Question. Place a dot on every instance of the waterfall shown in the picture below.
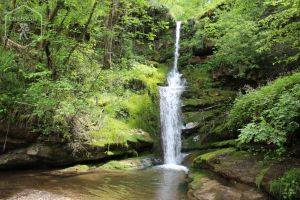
(170, 110)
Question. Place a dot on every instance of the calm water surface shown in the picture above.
(104, 185)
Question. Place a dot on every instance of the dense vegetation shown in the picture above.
(259, 40)
(252, 43)
(251, 39)
(88, 72)
(252, 47)
(269, 115)
(287, 187)
(92, 76)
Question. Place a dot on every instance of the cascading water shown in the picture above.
(170, 110)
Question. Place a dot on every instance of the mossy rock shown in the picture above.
(130, 164)
(195, 177)
(210, 129)
(72, 171)
(214, 154)
(116, 165)
(199, 116)
(206, 102)
(215, 145)
(210, 97)
(279, 178)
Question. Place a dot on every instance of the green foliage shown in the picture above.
(263, 133)
(57, 85)
(128, 115)
(288, 186)
(281, 31)
(187, 9)
(196, 176)
(253, 35)
(235, 34)
(260, 176)
(268, 115)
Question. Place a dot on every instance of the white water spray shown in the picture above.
(170, 110)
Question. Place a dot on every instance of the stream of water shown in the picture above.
(152, 184)
(170, 111)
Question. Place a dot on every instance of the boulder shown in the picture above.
(211, 189)
(190, 128)
(61, 154)
(244, 167)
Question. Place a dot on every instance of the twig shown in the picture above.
(5, 141)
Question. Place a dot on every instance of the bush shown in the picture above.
(254, 39)
(287, 187)
(268, 115)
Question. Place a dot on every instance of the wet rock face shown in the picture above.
(245, 167)
(42, 154)
(205, 104)
(15, 136)
(130, 164)
(190, 128)
(49, 154)
(211, 189)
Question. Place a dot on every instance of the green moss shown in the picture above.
(118, 132)
(221, 144)
(206, 141)
(206, 102)
(197, 80)
(143, 113)
(196, 177)
(216, 153)
(76, 169)
(116, 165)
(199, 116)
(128, 164)
(211, 128)
(127, 115)
(210, 97)
(113, 131)
(212, 154)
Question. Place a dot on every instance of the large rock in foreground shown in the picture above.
(209, 188)
(246, 168)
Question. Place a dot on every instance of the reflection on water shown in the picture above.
(170, 185)
(104, 185)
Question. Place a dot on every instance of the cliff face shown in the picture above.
(207, 97)
(14, 137)
(205, 105)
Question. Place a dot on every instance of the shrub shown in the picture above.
(287, 187)
(268, 115)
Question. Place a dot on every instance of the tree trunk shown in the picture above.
(46, 43)
(11, 25)
(108, 40)
(83, 33)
